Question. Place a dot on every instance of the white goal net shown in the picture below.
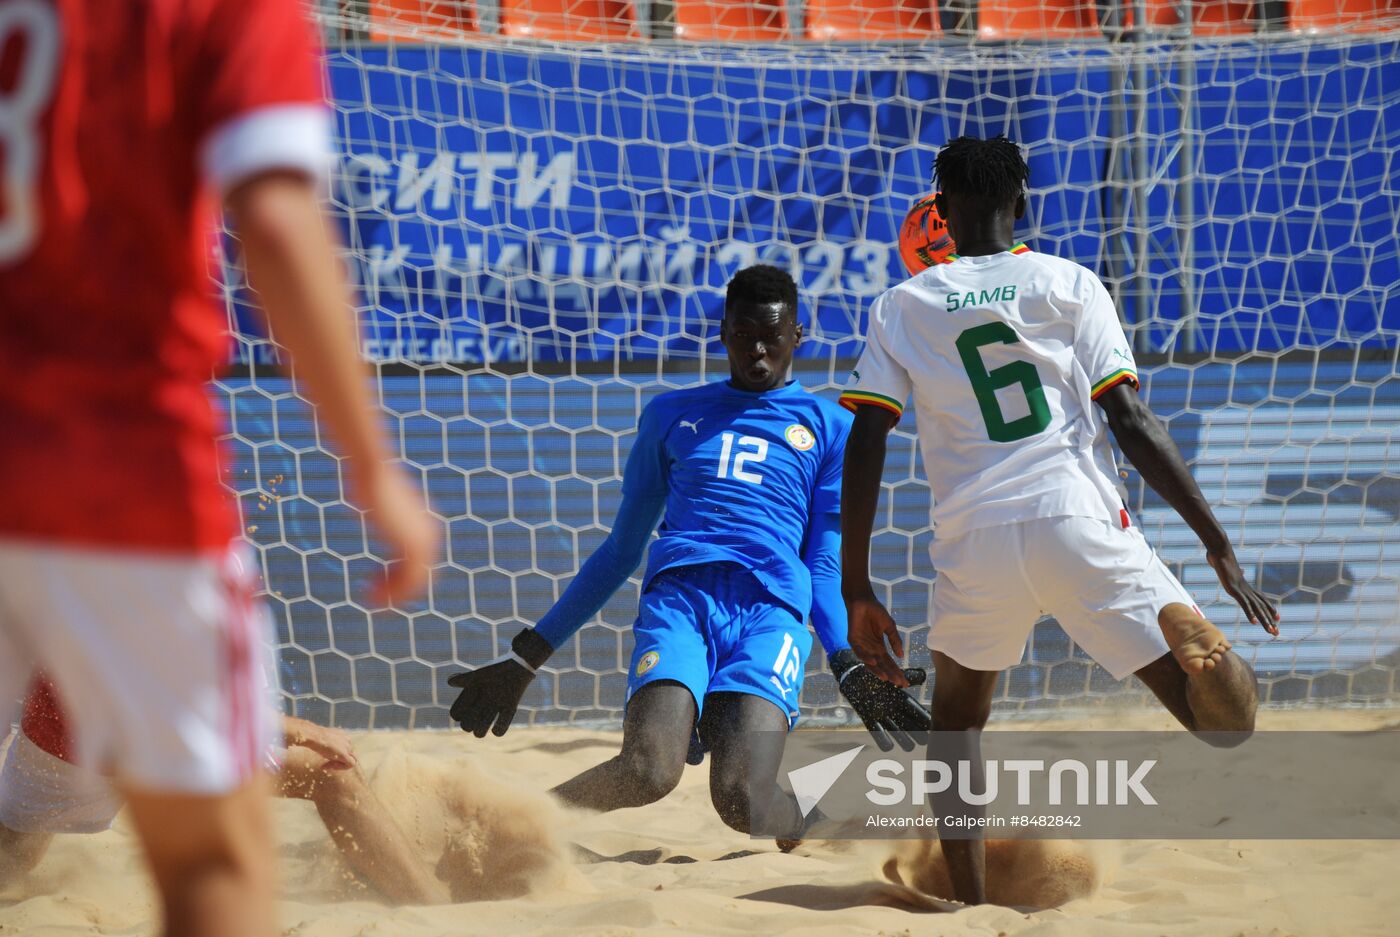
(543, 201)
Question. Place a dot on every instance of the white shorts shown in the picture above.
(160, 661)
(1103, 583)
(41, 793)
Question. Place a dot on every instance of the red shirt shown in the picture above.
(108, 326)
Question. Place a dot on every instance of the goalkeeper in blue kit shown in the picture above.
(744, 476)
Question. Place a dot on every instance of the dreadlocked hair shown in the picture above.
(992, 170)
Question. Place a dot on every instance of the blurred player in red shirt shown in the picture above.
(122, 127)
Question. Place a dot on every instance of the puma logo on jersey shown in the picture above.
(693, 427)
(1120, 353)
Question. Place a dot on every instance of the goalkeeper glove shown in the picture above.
(491, 693)
(887, 711)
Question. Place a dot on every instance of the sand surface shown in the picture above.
(523, 866)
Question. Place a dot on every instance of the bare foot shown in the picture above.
(1196, 644)
(1026, 874)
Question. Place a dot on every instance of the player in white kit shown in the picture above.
(1018, 367)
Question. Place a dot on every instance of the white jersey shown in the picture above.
(1003, 355)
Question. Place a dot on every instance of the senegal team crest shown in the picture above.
(649, 660)
(800, 437)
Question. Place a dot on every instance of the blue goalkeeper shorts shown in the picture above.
(716, 629)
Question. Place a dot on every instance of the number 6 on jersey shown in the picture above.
(985, 384)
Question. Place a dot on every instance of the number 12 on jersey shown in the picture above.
(758, 452)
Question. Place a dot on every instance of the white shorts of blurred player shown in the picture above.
(42, 793)
(1103, 584)
(161, 661)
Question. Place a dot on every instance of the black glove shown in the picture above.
(887, 711)
(491, 694)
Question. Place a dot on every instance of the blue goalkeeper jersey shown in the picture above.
(743, 475)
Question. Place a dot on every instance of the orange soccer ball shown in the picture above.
(923, 238)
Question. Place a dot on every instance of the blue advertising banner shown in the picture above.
(506, 204)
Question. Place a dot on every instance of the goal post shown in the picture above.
(540, 232)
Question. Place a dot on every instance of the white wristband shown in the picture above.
(841, 680)
(510, 655)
